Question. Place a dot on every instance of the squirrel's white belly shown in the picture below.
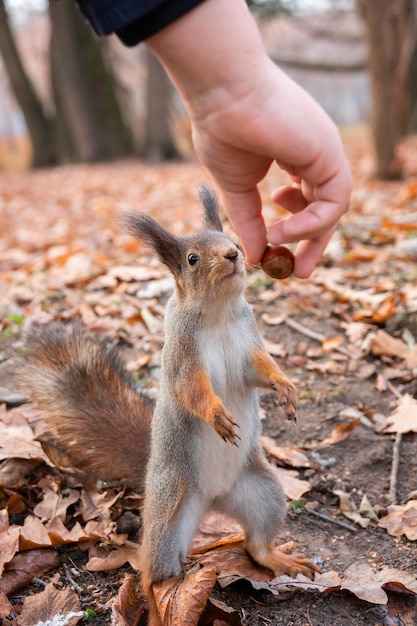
(226, 355)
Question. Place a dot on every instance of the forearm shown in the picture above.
(205, 57)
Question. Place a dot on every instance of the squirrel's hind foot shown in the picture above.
(280, 560)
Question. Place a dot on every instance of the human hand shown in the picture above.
(246, 114)
(279, 122)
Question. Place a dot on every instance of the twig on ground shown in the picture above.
(308, 614)
(308, 332)
(392, 494)
(326, 518)
(393, 480)
(312, 334)
(68, 576)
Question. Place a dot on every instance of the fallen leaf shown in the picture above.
(367, 584)
(5, 606)
(331, 343)
(364, 515)
(379, 315)
(401, 520)
(275, 348)
(215, 530)
(51, 607)
(383, 344)
(19, 442)
(14, 472)
(404, 417)
(25, 566)
(338, 434)
(182, 600)
(114, 559)
(287, 454)
(328, 366)
(233, 563)
(128, 608)
(33, 534)
(217, 609)
(54, 503)
(293, 486)
(9, 540)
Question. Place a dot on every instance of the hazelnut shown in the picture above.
(277, 262)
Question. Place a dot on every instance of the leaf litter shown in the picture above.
(342, 337)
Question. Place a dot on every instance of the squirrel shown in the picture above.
(199, 447)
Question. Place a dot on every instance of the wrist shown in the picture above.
(214, 54)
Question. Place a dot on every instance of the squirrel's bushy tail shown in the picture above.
(102, 423)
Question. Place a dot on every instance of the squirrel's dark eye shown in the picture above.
(193, 258)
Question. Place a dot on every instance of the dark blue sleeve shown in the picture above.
(133, 20)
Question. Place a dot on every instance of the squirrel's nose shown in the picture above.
(232, 255)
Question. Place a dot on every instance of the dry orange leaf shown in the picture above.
(401, 520)
(361, 253)
(182, 600)
(331, 343)
(380, 314)
(338, 434)
(5, 606)
(293, 486)
(233, 563)
(383, 344)
(53, 502)
(404, 417)
(9, 540)
(215, 530)
(33, 534)
(287, 454)
(114, 559)
(128, 608)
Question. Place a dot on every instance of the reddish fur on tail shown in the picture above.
(101, 421)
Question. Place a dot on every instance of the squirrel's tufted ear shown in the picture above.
(166, 244)
(211, 208)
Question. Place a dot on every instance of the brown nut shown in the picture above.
(277, 262)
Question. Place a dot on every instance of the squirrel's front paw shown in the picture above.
(225, 426)
(287, 395)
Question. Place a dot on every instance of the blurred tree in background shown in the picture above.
(87, 123)
(40, 127)
(391, 28)
(90, 123)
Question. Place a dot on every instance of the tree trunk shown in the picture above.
(387, 27)
(90, 123)
(412, 89)
(75, 115)
(159, 142)
(40, 128)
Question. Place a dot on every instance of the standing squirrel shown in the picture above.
(203, 449)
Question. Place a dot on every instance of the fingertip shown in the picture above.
(308, 254)
(244, 211)
(252, 250)
(303, 269)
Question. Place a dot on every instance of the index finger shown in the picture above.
(244, 210)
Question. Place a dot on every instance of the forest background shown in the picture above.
(82, 99)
